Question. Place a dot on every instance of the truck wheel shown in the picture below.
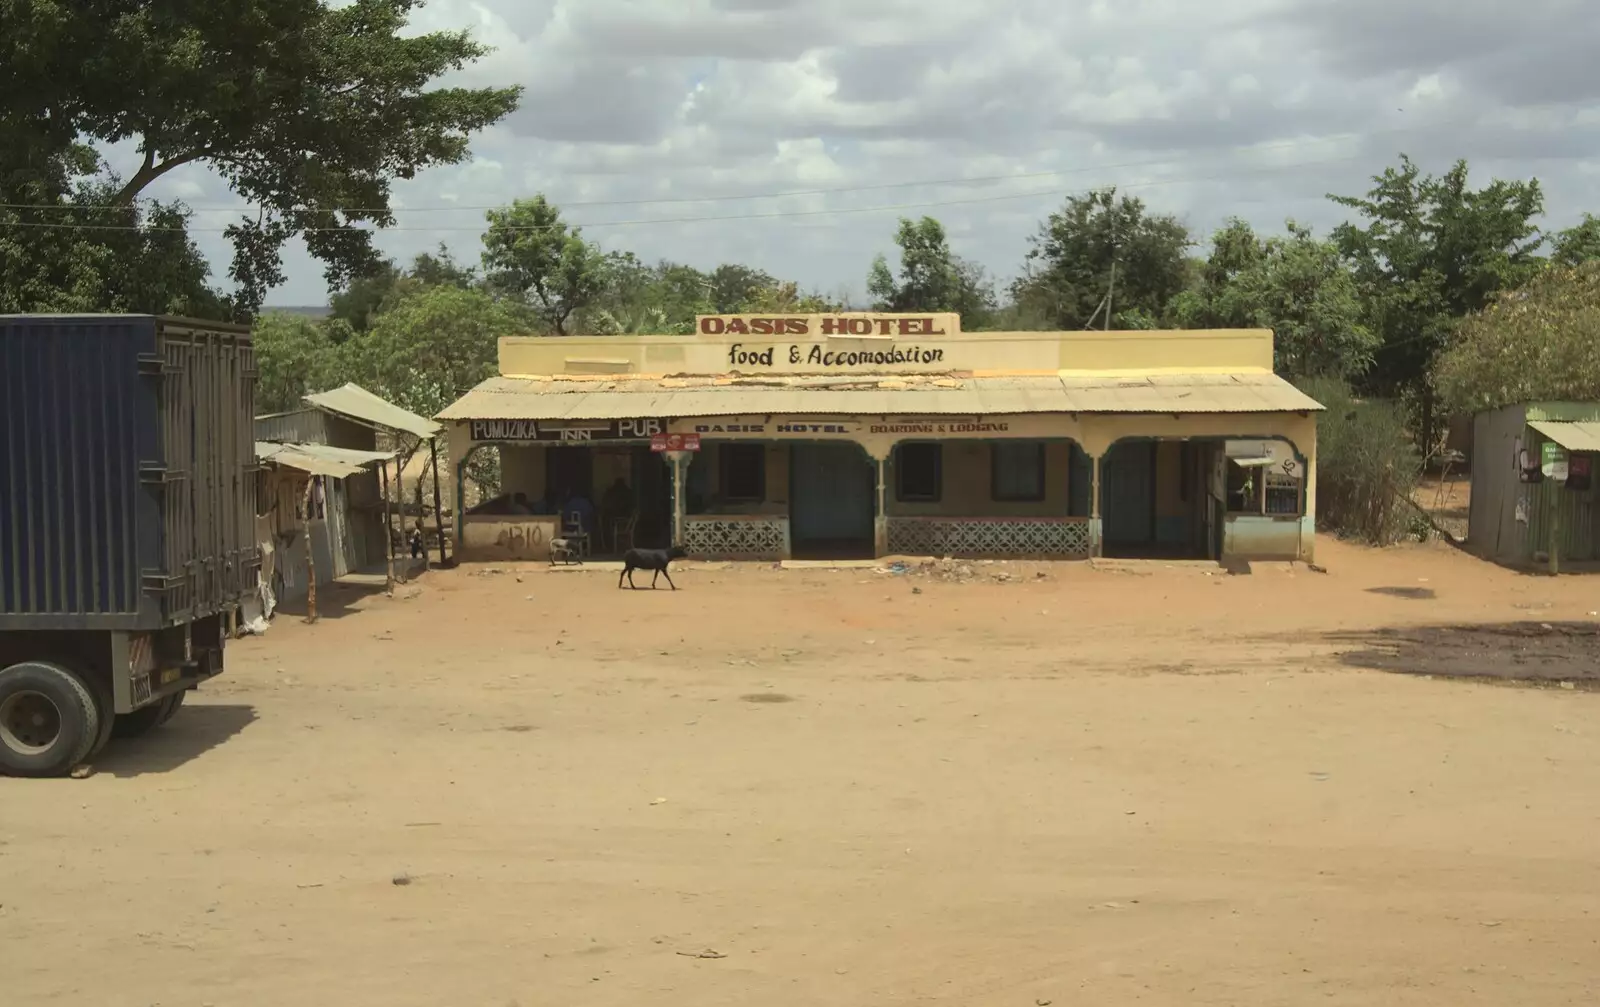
(172, 703)
(108, 720)
(141, 721)
(48, 720)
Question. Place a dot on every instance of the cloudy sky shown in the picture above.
(790, 134)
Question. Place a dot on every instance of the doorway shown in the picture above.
(1159, 499)
(1127, 493)
(832, 488)
(652, 487)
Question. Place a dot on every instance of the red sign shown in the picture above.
(826, 325)
(675, 442)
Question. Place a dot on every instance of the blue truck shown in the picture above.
(127, 524)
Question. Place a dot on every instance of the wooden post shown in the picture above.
(438, 506)
(388, 528)
(311, 555)
(1553, 490)
(400, 502)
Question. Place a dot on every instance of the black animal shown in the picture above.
(655, 560)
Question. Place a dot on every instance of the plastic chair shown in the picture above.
(572, 531)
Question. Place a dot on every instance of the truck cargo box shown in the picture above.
(127, 471)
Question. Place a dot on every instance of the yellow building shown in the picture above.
(860, 435)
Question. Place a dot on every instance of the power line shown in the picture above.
(783, 194)
(768, 215)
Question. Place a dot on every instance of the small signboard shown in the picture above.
(568, 432)
(1553, 461)
(1270, 455)
(675, 442)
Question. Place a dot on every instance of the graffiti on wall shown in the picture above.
(519, 538)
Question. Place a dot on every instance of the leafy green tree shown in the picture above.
(1071, 272)
(364, 296)
(360, 302)
(1577, 245)
(635, 321)
(786, 298)
(432, 346)
(732, 286)
(665, 297)
(932, 278)
(1367, 467)
(1540, 343)
(1295, 285)
(531, 253)
(82, 256)
(440, 269)
(1427, 252)
(295, 356)
(308, 108)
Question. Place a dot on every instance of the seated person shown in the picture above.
(617, 503)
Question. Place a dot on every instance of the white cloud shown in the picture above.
(1249, 107)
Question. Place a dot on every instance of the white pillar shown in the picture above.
(880, 522)
(1094, 506)
(679, 461)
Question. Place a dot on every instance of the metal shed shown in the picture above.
(1518, 510)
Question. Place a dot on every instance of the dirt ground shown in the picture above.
(1447, 499)
(1136, 783)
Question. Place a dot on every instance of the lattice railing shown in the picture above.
(977, 537)
(713, 537)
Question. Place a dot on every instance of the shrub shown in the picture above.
(1367, 465)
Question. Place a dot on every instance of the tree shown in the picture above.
(529, 252)
(785, 298)
(432, 346)
(359, 303)
(94, 258)
(1295, 285)
(307, 108)
(732, 286)
(1430, 252)
(1534, 344)
(1070, 279)
(932, 278)
(1577, 245)
(295, 356)
(364, 296)
(440, 269)
(1367, 467)
(664, 298)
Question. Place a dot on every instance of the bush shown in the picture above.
(1366, 465)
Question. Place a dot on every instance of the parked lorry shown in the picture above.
(127, 524)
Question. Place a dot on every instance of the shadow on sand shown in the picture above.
(192, 732)
(1528, 652)
(334, 601)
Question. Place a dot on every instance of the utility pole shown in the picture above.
(1111, 291)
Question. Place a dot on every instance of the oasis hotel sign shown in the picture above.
(831, 341)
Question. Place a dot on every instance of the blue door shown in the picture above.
(1127, 493)
(831, 490)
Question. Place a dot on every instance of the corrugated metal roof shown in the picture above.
(1583, 436)
(319, 459)
(879, 395)
(356, 402)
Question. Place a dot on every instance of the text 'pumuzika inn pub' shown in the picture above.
(862, 435)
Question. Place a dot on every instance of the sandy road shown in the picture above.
(1153, 787)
